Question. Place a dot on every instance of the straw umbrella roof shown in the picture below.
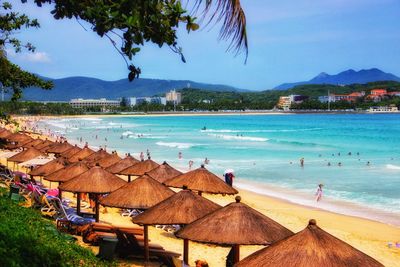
(5, 133)
(183, 207)
(95, 180)
(85, 152)
(142, 193)
(235, 224)
(33, 143)
(26, 155)
(122, 164)
(163, 172)
(140, 168)
(109, 160)
(18, 137)
(311, 247)
(68, 172)
(101, 153)
(58, 148)
(70, 152)
(45, 144)
(201, 180)
(50, 167)
(18, 144)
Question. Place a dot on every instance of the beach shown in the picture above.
(369, 236)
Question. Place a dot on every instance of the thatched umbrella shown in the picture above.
(44, 145)
(201, 180)
(311, 247)
(142, 193)
(25, 155)
(109, 160)
(5, 133)
(81, 155)
(32, 143)
(70, 152)
(139, 169)
(234, 225)
(122, 164)
(50, 167)
(59, 148)
(21, 144)
(163, 172)
(18, 137)
(181, 208)
(98, 155)
(95, 181)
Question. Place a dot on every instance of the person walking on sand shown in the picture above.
(318, 194)
(190, 164)
(180, 155)
(141, 156)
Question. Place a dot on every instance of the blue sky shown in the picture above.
(289, 41)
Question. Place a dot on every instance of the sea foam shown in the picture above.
(236, 137)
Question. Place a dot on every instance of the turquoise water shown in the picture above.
(265, 149)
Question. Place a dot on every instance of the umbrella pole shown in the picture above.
(78, 203)
(236, 254)
(186, 251)
(199, 193)
(129, 178)
(146, 242)
(97, 207)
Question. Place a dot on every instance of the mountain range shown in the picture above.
(86, 87)
(345, 78)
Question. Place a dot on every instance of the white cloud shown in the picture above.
(41, 57)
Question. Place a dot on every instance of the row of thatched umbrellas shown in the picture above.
(86, 171)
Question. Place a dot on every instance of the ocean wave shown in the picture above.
(176, 145)
(392, 167)
(127, 133)
(90, 119)
(235, 137)
(258, 131)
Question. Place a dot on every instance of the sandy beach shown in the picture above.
(369, 236)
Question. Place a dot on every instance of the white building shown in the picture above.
(133, 101)
(102, 102)
(391, 108)
(173, 96)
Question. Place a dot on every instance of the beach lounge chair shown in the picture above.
(67, 219)
(130, 213)
(47, 208)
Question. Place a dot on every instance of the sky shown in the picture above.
(289, 41)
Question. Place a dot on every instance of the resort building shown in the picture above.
(391, 108)
(285, 102)
(173, 96)
(101, 102)
(133, 101)
(335, 98)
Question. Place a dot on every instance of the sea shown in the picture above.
(355, 156)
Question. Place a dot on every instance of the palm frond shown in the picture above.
(233, 18)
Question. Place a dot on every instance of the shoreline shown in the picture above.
(367, 235)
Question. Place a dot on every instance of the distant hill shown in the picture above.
(345, 78)
(85, 87)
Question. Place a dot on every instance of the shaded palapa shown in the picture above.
(70, 152)
(26, 155)
(235, 224)
(18, 138)
(32, 143)
(163, 172)
(68, 172)
(109, 160)
(50, 167)
(142, 193)
(44, 145)
(5, 133)
(58, 148)
(201, 180)
(81, 155)
(95, 180)
(311, 247)
(140, 168)
(98, 155)
(183, 207)
(122, 164)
